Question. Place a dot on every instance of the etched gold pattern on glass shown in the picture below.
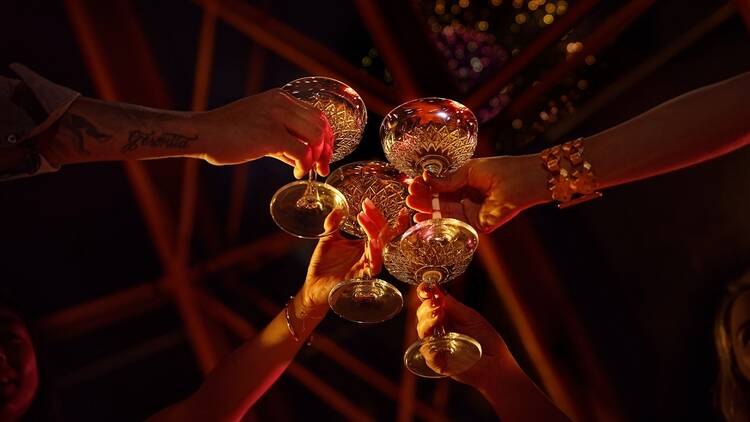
(382, 183)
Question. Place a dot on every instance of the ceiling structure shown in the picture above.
(531, 70)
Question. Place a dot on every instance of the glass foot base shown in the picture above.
(442, 356)
(365, 301)
(306, 217)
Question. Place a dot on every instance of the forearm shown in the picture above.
(93, 130)
(246, 374)
(514, 397)
(689, 129)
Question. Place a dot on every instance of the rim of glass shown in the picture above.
(404, 105)
(453, 221)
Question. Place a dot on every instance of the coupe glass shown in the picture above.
(300, 208)
(437, 136)
(368, 299)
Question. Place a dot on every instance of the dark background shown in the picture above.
(644, 267)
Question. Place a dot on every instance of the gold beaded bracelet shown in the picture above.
(290, 327)
(569, 186)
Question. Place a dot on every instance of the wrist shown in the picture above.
(503, 367)
(198, 123)
(309, 309)
(533, 186)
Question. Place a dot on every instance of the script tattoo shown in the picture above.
(80, 129)
(137, 139)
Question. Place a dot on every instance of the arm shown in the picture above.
(242, 378)
(692, 128)
(40, 118)
(268, 124)
(512, 394)
(245, 375)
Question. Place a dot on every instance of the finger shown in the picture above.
(426, 291)
(391, 231)
(374, 213)
(420, 217)
(419, 187)
(427, 309)
(301, 128)
(295, 150)
(284, 159)
(310, 125)
(427, 326)
(376, 256)
(420, 202)
(323, 166)
(368, 226)
(333, 220)
(473, 213)
(450, 183)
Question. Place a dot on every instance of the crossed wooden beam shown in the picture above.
(98, 27)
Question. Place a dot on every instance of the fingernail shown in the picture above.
(434, 303)
(435, 314)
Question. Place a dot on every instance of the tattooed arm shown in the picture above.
(270, 124)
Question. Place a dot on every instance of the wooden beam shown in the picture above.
(302, 51)
(608, 30)
(389, 48)
(544, 317)
(648, 66)
(245, 330)
(743, 6)
(529, 333)
(557, 30)
(408, 393)
(339, 354)
(252, 254)
(101, 312)
(253, 85)
(117, 26)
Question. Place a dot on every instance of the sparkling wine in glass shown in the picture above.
(368, 299)
(301, 208)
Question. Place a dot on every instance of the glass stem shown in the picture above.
(436, 214)
(439, 331)
(432, 280)
(311, 197)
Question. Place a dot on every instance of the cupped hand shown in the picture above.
(336, 258)
(485, 192)
(438, 308)
(270, 124)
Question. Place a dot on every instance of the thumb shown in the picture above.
(450, 182)
(333, 219)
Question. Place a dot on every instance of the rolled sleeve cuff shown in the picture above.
(32, 116)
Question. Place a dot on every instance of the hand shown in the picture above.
(485, 192)
(337, 259)
(271, 124)
(439, 308)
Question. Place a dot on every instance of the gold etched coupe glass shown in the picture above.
(438, 136)
(300, 208)
(368, 299)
